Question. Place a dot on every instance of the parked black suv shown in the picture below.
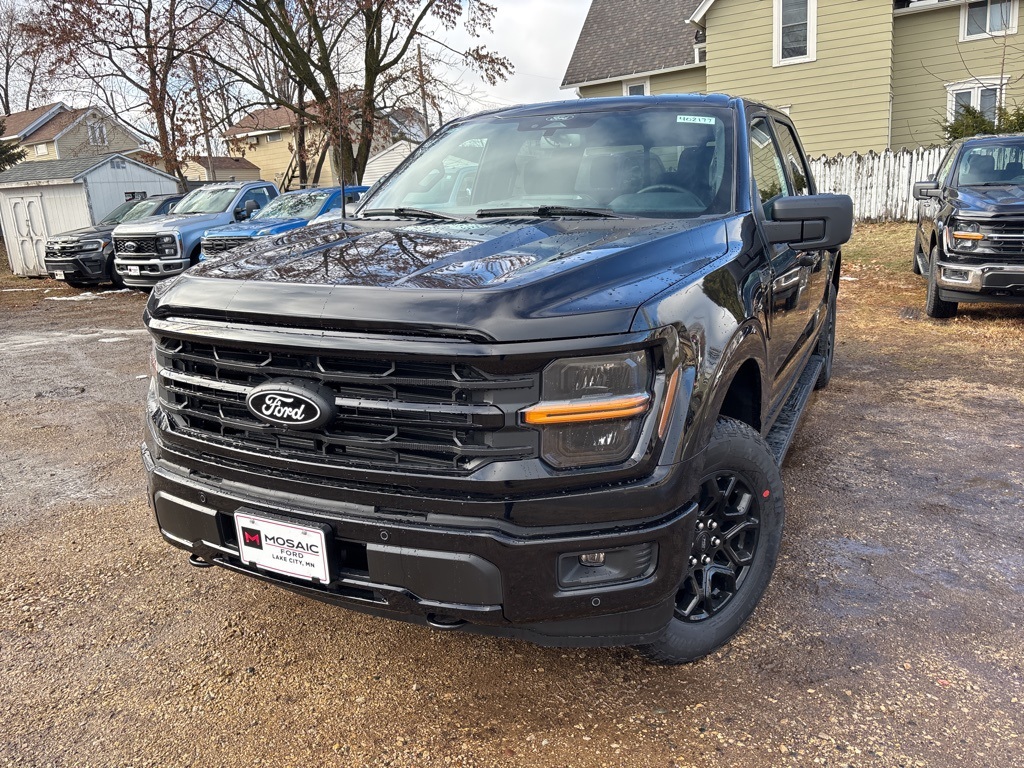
(86, 256)
(970, 225)
(547, 398)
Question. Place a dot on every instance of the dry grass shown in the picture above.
(883, 304)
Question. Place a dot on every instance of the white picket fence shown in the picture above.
(881, 185)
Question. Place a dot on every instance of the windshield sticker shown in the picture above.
(560, 118)
(700, 120)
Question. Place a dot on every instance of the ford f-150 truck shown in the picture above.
(550, 405)
(970, 225)
(149, 251)
(86, 256)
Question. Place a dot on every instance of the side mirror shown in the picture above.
(926, 189)
(811, 222)
(251, 206)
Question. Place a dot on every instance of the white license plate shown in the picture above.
(133, 270)
(294, 550)
(59, 275)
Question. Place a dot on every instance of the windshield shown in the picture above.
(120, 213)
(142, 210)
(672, 162)
(992, 163)
(206, 200)
(303, 205)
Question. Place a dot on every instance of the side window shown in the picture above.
(798, 171)
(942, 175)
(766, 165)
(260, 195)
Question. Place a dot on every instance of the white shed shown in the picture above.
(40, 199)
(386, 161)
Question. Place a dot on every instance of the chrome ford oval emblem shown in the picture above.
(297, 404)
(130, 245)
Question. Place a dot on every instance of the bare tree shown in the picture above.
(133, 55)
(351, 59)
(22, 62)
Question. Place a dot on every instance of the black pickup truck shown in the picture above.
(540, 386)
(970, 225)
(85, 256)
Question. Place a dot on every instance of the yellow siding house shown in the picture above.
(855, 75)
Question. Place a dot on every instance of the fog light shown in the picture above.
(612, 566)
(957, 275)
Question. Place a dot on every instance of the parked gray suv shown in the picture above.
(149, 251)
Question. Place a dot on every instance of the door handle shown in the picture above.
(807, 259)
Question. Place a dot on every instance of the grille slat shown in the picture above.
(221, 244)
(391, 414)
(1004, 238)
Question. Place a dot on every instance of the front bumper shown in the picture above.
(149, 271)
(85, 267)
(447, 569)
(980, 282)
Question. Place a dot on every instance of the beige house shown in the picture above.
(223, 169)
(58, 132)
(855, 76)
(267, 138)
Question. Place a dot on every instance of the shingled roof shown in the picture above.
(17, 123)
(629, 37)
(223, 163)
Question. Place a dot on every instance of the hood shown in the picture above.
(1004, 198)
(171, 222)
(502, 280)
(271, 226)
(84, 233)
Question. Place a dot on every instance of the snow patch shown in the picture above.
(16, 290)
(851, 279)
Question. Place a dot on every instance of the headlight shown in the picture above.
(91, 245)
(167, 245)
(592, 409)
(965, 235)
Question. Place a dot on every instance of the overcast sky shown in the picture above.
(538, 36)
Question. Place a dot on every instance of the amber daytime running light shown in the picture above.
(592, 409)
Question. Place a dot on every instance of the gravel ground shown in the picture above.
(890, 635)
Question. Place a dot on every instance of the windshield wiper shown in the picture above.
(412, 213)
(991, 184)
(546, 211)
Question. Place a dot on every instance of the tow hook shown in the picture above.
(442, 622)
(197, 562)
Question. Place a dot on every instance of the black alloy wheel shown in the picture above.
(728, 530)
(934, 306)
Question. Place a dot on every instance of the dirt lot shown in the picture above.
(890, 636)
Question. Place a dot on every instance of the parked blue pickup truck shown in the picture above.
(148, 251)
(287, 212)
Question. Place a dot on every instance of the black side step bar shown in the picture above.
(781, 435)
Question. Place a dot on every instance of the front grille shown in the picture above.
(144, 246)
(1003, 238)
(392, 414)
(220, 244)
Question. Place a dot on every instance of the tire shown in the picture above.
(115, 278)
(741, 498)
(933, 305)
(915, 263)
(827, 341)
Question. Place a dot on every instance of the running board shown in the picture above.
(781, 435)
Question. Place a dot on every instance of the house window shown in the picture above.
(97, 134)
(42, 149)
(984, 94)
(796, 31)
(636, 88)
(700, 53)
(987, 18)
(272, 137)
